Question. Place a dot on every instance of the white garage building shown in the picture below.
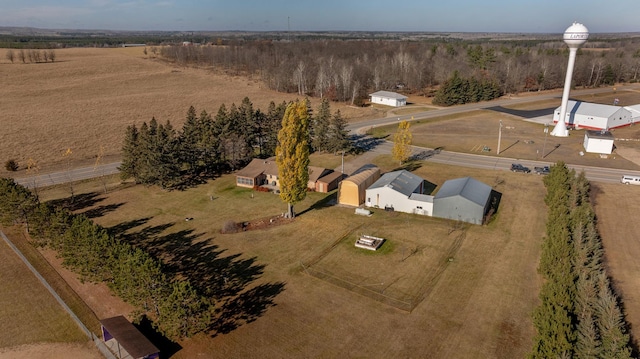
(593, 116)
(598, 142)
(388, 98)
(400, 191)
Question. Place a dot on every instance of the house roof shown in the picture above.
(421, 197)
(602, 135)
(401, 181)
(634, 109)
(467, 187)
(129, 337)
(316, 172)
(258, 166)
(389, 94)
(590, 109)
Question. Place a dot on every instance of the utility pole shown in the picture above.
(546, 134)
(499, 136)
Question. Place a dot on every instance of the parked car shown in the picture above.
(516, 167)
(542, 170)
(628, 179)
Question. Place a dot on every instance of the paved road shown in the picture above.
(451, 158)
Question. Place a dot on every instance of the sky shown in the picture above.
(519, 16)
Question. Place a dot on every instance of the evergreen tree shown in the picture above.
(130, 154)
(320, 127)
(292, 155)
(338, 135)
(184, 312)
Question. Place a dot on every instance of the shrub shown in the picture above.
(11, 165)
(229, 227)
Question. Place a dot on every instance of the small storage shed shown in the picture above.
(388, 98)
(400, 191)
(598, 142)
(594, 116)
(464, 199)
(127, 340)
(352, 190)
(329, 182)
(315, 173)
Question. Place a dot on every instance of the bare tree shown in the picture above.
(52, 55)
(22, 56)
(10, 55)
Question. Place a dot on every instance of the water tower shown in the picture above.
(576, 35)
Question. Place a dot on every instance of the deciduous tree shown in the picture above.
(402, 142)
(292, 155)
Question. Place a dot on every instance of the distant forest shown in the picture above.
(347, 66)
(349, 70)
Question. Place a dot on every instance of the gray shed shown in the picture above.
(464, 199)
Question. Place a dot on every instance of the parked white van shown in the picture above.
(627, 179)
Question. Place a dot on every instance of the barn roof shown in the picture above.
(129, 337)
(316, 172)
(330, 177)
(590, 109)
(362, 174)
(401, 181)
(467, 187)
(389, 94)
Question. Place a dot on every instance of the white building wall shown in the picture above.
(597, 145)
(382, 197)
(385, 101)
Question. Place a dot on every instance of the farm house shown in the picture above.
(260, 172)
(388, 98)
(594, 116)
(400, 191)
(598, 142)
(464, 199)
(352, 190)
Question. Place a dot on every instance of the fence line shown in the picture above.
(96, 339)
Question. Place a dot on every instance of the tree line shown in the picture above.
(175, 306)
(348, 71)
(579, 315)
(206, 146)
(31, 55)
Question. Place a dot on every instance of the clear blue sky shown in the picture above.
(546, 16)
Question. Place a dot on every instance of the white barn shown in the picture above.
(593, 116)
(464, 199)
(388, 98)
(598, 142)
(400, 191)
(635, 113)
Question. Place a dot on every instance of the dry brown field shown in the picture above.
(86, 98)
(478, 304)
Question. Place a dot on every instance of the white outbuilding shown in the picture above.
(598, 142)
(400, 191)
(388, 98)
(593, 116)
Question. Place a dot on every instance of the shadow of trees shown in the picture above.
(167, 347)
(229, 279)
(364, 143)
(86, 200)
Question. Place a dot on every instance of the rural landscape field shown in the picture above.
(470, 289)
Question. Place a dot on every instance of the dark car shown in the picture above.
(542, 170)
(516, 167)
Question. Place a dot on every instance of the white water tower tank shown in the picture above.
(576, 35)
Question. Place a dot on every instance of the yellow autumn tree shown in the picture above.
(292, 155)
(402, 143)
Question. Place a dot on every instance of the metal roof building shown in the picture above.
(464, 199)
(388, 98)
(351, 190)
(400, 191)
(594, 116)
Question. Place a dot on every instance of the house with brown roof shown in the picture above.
(264, 172)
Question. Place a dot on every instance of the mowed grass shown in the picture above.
(28, 312)
(476, 305)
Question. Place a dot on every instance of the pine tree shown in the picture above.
(319, 127)
(130, 154)
(402, 143)
(184, 312)
(292, 155)
(338, 135)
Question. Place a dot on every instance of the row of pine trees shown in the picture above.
(175, 306)
(579, 315)
(157, 154)
(458, 91)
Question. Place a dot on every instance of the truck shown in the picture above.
(544, 170)
(516, 167)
